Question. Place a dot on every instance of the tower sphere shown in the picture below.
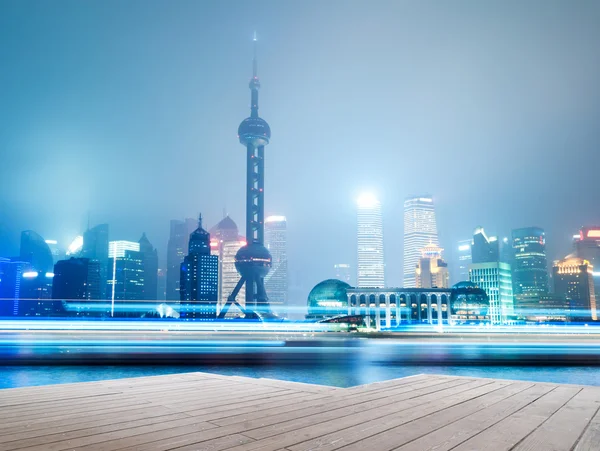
(254, 131)
(253, 259)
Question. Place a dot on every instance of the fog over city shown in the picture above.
(126, 113)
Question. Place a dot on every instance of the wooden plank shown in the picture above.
(446, 437)
(590, 438)
(374, 434)
(97, 440)
(562, 430)
(521, 423)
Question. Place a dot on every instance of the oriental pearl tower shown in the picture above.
(253, 261)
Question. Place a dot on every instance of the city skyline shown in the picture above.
(143, 118)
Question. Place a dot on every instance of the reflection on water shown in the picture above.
(339, 376)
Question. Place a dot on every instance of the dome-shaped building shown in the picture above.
(469, 303)
(327, 299)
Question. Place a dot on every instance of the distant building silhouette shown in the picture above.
(573, 278)
(150, 257)
(11, 277)
(343, 272)
(199, 278)
(276, 282)
(420, 229)
(95, 248)
(371, 262)
(432, 270)
(462, 261)
(125, 275)
(484, 249)
(176, 249)
(225, 242)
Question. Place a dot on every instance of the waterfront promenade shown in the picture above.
(202, 411)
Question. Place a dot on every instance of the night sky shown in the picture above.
(127, 112)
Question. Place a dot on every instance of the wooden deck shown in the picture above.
(199, 411)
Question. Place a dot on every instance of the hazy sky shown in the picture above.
(128, 111)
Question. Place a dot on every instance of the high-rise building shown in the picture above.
(276, 282)
(484, 249)
(573, 278)
(199, 278)
(71, 279)
(371, 263)
(420, 229)
(150, 256)
(495, 278)
(36, 281)
(225, 242)
(95, 247)
(126, 275)
(530, 268)
(343, 272)
(161, 282)
(57, 252)
(432, 270)
(253, 261)
(463, 260)
(587, 246)
(11, 277)
(176, 248)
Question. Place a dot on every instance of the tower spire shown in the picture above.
(254, 83)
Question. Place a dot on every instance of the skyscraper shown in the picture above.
(371, 263)
(71, 279)
(420, 229)
(126, 275)
(150, 256)
(464, 259)
(253, 261)
(530, 268)
(432, 270)
(587, 246)
(199, 278)
(276, 282)
(573, 278)
(95, 247)
(36, 278)
(225, 242)
(176, 248)
(11, 277)
(484, 249)
(495, 278)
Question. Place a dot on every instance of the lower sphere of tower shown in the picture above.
(253, 259)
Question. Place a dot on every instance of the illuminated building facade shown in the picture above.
(432, 270)
(371, 263)
(496, 280)
(420, 229)
(587, 246)
(177, 246)
(225, 243)
(392, 307)
(573, 278)
(276, 282)
(11, 277)
(126, 275)
(328, 299)
(462, 261)
(95, 247)
(199, 278)
(530, 267)
(36, 278)
(150, 257)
